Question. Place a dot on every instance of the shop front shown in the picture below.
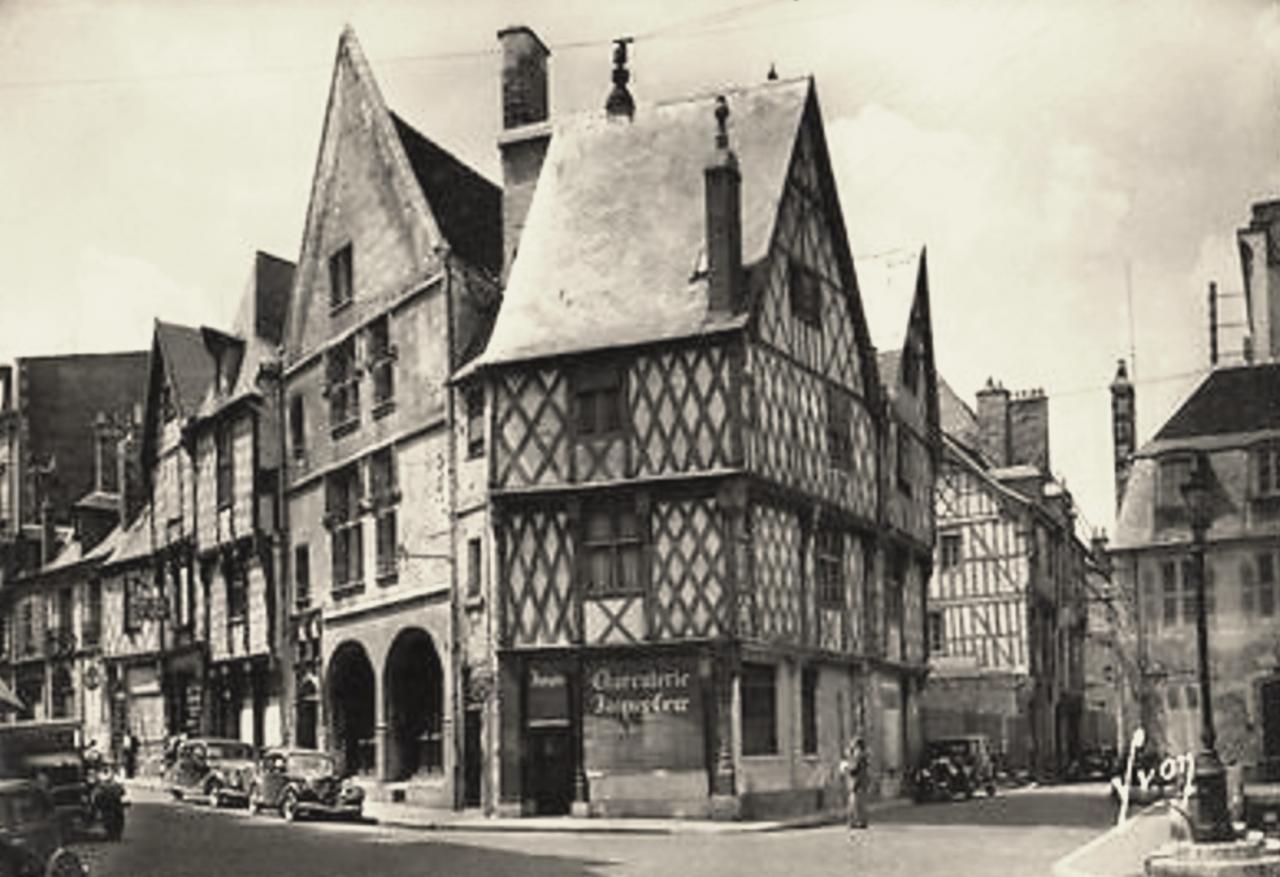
(616, 733)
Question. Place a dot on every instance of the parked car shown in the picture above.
(214, 770)
(31, 834)
(303, 782)
(956, 766)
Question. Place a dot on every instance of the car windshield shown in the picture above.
(952, 748)
(230, 752)
(310, 765)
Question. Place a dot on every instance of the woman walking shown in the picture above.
(854, 768)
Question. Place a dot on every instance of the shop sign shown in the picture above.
(629, 693)
(548, 696)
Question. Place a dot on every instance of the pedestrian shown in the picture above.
(130, 755)
(853, 767)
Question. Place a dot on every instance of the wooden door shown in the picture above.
(1270, 697)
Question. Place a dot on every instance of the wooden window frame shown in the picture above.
(804, 288)
(475, 567)
(344, 491)
(936, 631)
(302, 576)
(92, 627)
(237, 584)
(758, 685)
(1264, 461)
(224, 452)
(828, 567)
(901, 463)
(342, 386)
(382, 356)
(341, 278)
(1172, 472)
(298, 425)
(615, 545)
(839, 429)
(950, 549)
(384, 495)
(598, 391)
(474, 401)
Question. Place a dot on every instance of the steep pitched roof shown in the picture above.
(188, 364)
(467, 207)
(1229, 400)
(615, 233)
(957, 418)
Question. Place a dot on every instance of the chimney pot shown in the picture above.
(620, 102)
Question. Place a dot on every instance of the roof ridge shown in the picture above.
(396, 117)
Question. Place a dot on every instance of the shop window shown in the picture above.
(382, 358)
(612, 556)
(828, 560)
(63, 693)
(809, 710)
(806, 294)
(759, 709)
(342, 516)
(386, 496)
(475, 422)
(1169, 582)
(839, 436)
(302, 576)
(343, 387)
(341, 280)
(225, 465)
(1259, 592)
(474, 571)
(950, 550)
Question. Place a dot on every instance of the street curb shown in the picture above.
(1065, 866)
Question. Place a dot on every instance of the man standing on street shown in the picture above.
(853, 767)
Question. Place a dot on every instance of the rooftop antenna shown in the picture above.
(1133, 349)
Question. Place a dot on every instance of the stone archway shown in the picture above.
(350, 695)
(414, 703)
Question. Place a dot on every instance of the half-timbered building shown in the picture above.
(395, 287)
(1007, 611)
(686, 428)
(234, 442)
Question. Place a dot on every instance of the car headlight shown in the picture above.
(351, 792)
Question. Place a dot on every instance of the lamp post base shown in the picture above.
(1210, 816)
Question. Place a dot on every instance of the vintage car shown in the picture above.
(31, 834)
(955, 766)
(213, 770)
(303, 782)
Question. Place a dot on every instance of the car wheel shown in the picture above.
(64, 863)
(289, 806)
(991, 790)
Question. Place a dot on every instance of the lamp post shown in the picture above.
(1210, 820)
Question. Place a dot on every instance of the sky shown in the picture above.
(1076, 170)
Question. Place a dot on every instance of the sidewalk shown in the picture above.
(1120, 851)
(433, 819)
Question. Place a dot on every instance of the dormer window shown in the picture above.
(1174, 472)
(1266, 470)
(340, 278)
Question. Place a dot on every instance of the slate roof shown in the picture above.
(135, 541)
(957, 418)
(887, 285)
(1229, 400)
(190, 366)
(467, 207)
(615, 232)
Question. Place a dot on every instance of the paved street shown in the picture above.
(1017, 833)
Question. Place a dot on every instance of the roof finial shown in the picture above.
(722, 118)
(620, 102)
(773, 73)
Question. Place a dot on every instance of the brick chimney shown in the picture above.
(1029, 430)
(129, 481)
(1122, 428)
(526, 132)
(993, 423)
(724, 221)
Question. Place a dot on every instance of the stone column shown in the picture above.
(724, 781)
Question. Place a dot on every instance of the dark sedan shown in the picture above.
(302, 782)
(212, 769)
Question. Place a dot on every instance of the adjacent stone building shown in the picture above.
(1233, 417)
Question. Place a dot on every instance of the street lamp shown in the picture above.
(1210, 820)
